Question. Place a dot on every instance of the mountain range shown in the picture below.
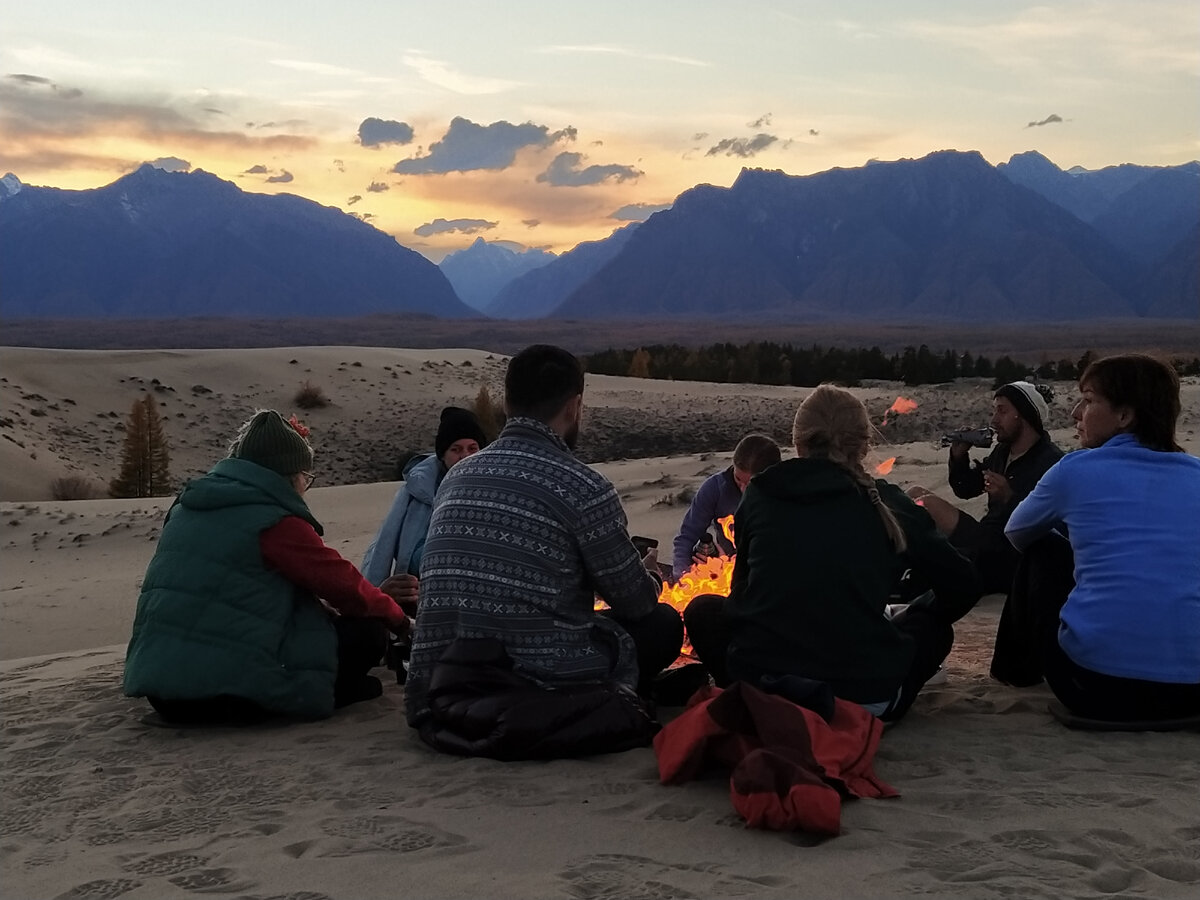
(945, 237)
(481, 271)
(165, 244)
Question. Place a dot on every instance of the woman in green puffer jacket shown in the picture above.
(230, 623)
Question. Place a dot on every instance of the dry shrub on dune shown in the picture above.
(74, 487)
(310, 396)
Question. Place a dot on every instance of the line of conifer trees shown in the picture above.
(766, 362)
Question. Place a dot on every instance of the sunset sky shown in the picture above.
(546, 124)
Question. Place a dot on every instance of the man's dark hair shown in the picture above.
(755, 452)
(540, 380)
(1147, 386)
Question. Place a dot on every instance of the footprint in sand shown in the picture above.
(101, 889)
(618, 876)
(163, 864)
(212, 881)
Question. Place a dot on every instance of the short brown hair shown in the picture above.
(1145, 385)
(755, 452)
(540, 380)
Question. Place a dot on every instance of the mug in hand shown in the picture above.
(643, 544)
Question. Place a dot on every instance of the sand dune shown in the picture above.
(997, 800)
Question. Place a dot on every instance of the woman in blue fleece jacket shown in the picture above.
(1112, 619)
(394, 555)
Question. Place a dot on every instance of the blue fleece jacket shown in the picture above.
(717, 498)
(397, 547)
(1133, 516)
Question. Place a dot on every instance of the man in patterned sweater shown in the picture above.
(523, 538)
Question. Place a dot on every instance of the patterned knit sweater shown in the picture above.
(523, 538)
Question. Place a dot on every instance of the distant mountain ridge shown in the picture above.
(481, 271)
(946, 236)
(539, 292)
(155, 243)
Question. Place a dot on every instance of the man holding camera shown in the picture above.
(1022, 455)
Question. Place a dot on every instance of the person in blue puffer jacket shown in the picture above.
(393, 559)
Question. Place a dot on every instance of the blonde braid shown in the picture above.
(832, 423)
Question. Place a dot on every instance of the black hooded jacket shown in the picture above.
(815, 569)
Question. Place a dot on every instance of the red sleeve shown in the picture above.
(292, 547)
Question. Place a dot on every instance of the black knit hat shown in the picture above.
(268, 439)
(1028, 401)
(455, 425)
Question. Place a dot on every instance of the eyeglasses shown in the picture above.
(309, 478)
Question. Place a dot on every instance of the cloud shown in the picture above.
(350, 201)
(339, 165)
(465, 226)
(378, 187)
(171, 164)
(260, 169)
(282, 178)
(813, 132)
(565, 171)
(743, 147)
(468, 147)
(638, 212)
(38, 82)
(761, 122)
(699, 135)
(374, 132)
(29, 79)
(33, 108)
(440, 73)
(610, 50)
(1049, 120)
(531, 223)
(316, 68)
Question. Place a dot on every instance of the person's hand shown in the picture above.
(401, 588)
(997, 487)
(401, 628)
(699, 559)
(959, 449)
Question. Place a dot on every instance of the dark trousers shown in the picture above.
(360, 647)
(1029, 621)
(658, 638)
(1027, 649)
(709, 631)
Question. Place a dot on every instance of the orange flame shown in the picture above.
(712, 576)
(901, 406)
(885, 467)
(727, 527)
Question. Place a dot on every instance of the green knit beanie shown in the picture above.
(268, 439)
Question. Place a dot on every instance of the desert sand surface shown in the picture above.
(997, 799)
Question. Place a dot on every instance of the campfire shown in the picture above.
(902, 406)
(713, 576)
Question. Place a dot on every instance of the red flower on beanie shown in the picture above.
(299, 427)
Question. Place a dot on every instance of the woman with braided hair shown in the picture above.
(820, 545)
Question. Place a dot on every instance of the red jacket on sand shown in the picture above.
(789, 766)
